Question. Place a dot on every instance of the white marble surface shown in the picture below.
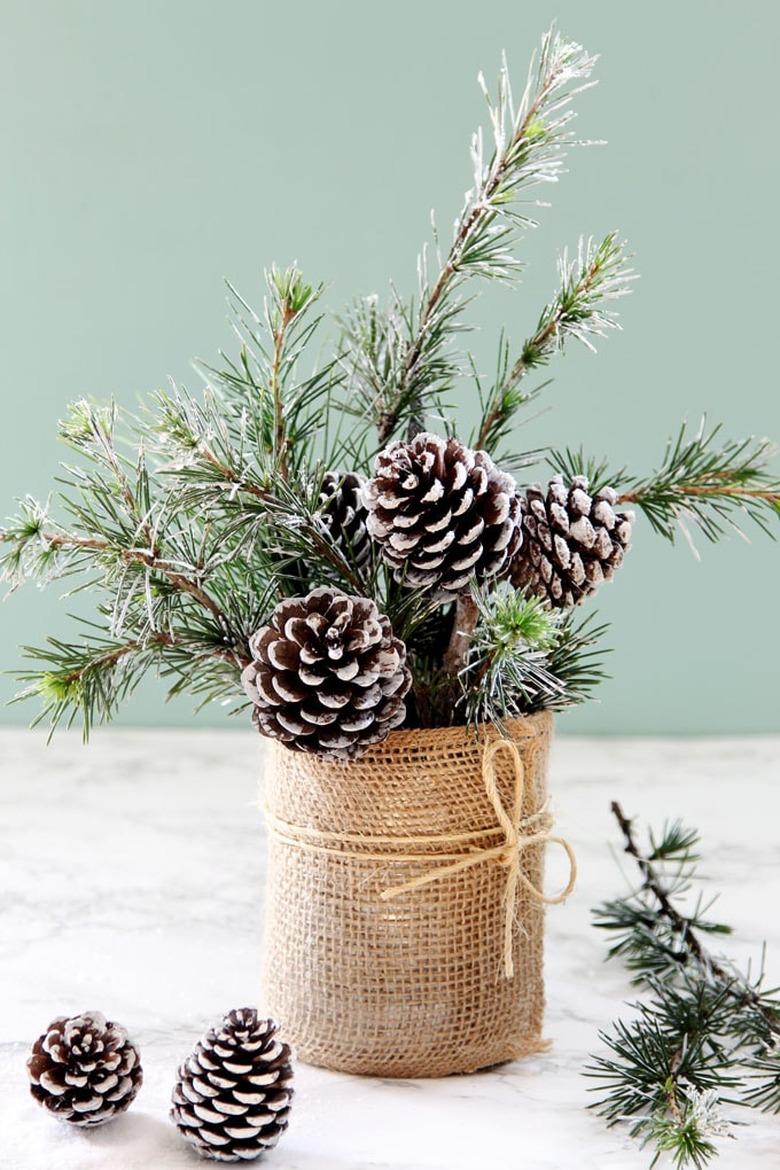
(131, 875)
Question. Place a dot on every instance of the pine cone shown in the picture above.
(572, 541)
(327, 676)
(84, 1069)
(444, 515)
(344, 515)
(232, 1097)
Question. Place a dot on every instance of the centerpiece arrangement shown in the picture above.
(396, 602)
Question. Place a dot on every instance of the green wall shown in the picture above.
(149, 149)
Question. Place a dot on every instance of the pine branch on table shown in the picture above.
(707, 1036)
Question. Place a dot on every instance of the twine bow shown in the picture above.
(519, 834)
(509, 852)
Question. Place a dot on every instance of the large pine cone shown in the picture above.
(443, 514)
(344, 515)
(232, 1097)
(327, 676)
(84, 1069)
(572, 541)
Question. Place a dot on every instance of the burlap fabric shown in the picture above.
(414, 985)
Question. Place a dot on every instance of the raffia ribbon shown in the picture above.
(519, 834)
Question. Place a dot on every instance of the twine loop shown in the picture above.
(519, 834)
(509, 854)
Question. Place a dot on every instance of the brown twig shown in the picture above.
(463, 625)
(635, 497)
(280, 436)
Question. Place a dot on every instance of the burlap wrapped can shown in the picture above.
(404, 919)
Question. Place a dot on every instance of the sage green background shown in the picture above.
(149, 149)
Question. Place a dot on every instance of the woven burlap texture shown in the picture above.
(414, 986)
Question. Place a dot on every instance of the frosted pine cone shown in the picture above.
(232, 1097)
(84, 1070)
(443, 514)
(344, 514)
(571, 541)
(327, 676)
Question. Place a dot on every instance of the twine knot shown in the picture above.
(519, 833)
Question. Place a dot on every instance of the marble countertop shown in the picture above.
(131, 875)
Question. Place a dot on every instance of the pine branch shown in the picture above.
(709, 484)
(67, 542)
(708, 1031)
(677, 845)
(266, 406)
(579, 310)
(90, 679)
(402, 360)
(577, 660)
(666, 1071)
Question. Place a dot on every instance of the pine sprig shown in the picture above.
(402, 359)
(711, 483)
(268, 402)
(524, 657)
(707, 1034)
(580, 309)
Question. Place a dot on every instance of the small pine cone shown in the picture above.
(444, 515)
(344, 515)
(84, 1070)
(327, 676)
(571, 541)
(232, 1097)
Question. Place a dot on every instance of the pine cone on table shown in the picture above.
(84, 1070)
(571, 541)
(444, 515)
(232, 1097)
(327, 676)
(344, 515)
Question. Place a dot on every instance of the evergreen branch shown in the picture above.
(588, 282)
(665, 1072)
(576, 659)
(289, 298)
(71, 542)
(528, 148)
(700, 480)
(201, 450)
(264, 404)
(677, 845)
(708, 1030)
(91, 679)
(708, 483)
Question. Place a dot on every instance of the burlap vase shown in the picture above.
(427, 979)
